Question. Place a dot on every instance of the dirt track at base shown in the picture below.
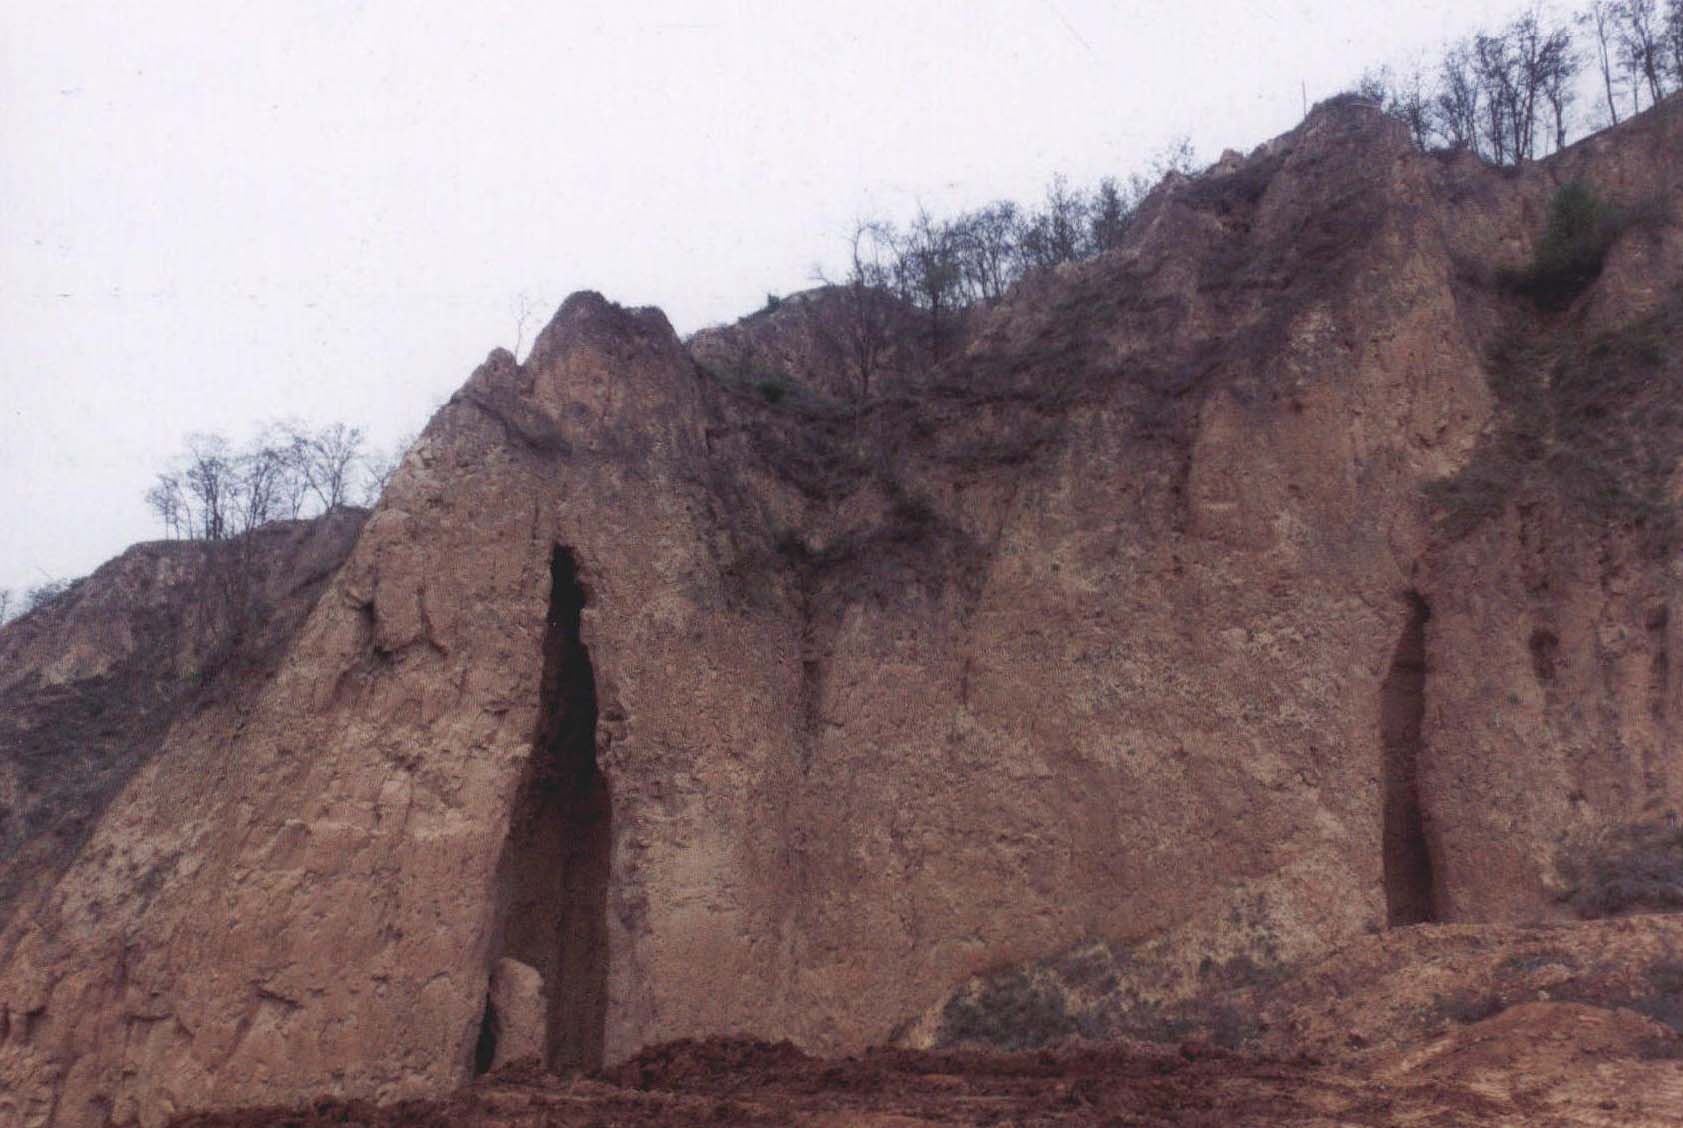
(1537, 1065)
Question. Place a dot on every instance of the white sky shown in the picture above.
(216, 214)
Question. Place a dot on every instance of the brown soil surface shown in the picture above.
(1535, 1065)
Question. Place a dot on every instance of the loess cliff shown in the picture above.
(1214, 609)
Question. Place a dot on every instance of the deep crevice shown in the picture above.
(553, 878)
(1659, 701)
(1409, 893)
(485, 1049)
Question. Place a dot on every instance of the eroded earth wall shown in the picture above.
(1166, 618)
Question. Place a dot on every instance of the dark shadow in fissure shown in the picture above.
(485, 1049)
(1409, 895)
(554, 872)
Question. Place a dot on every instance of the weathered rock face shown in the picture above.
(90, 682)
(837, 342)
(1552, 711)
(1170, 617)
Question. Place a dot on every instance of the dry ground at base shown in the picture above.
(1534, 1065)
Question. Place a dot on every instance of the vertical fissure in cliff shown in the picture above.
(1409, 893)
(555, 867)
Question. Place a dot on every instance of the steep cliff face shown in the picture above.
(1223, 599)
(1552, 723)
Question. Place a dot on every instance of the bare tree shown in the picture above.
(1458, 99)
(1544, 66)
(379, 466)
(168, 500)
(525, 311)
(219, 495)
(208, 485)
(987, 249)
(290, 487)
(262, 474)
(43, 593)
(1559, 67)
(1674, 40)
(1374, 84)
(1496, 90)
(938, 267)
(1108, 215)
(1178, 156)
(6, 601)
(1641, 39)
(1056, 232)
(327, 458)
(214, 492)
(868, 303)
(1528, 51)
(928, 274)
(1408, 98)
(1495, 70)
(1509, 94)
(1601, 17)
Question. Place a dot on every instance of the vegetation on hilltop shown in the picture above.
(1511, 94)
(215, 491)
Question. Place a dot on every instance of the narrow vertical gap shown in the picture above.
(1402, 710)
(485, 1049)
(555, 867)
(1659, 700)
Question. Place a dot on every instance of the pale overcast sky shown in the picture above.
(216, 214)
